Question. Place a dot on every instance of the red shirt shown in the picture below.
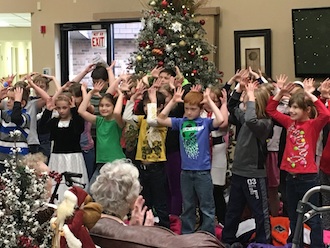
(301, 139)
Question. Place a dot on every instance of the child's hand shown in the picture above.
(140, 89)
(157, 83)
(171, 83)
(309, 84)
(206, 96)
(253, 74)
(196, 88)
(250, 87)
(178, 73)
(125, 85)
(18, 93)
(286, 89)
(155, 72)
(281, 80)
(325, 89)
(223, 99)
(3, 93)
(177, 96)
(89, 68)
(112, 65)
(98, 86)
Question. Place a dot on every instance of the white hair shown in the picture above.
(117, 187)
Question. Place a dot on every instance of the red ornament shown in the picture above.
(194, 71)
(161, 31)
(164, 3)
(150, 42)
(184, 12)
(143, 44)
(202, 22)
(192, 54)
(205, 58)
(160, 63)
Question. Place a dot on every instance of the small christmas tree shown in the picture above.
(171, 37)
(21, 197)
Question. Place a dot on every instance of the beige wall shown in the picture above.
(235, 15)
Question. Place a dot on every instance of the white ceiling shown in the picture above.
(15, 20)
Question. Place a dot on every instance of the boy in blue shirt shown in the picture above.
(196, 182)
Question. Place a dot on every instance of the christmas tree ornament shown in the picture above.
(196, 36)
(176, 26)
(168, 48)
(160, 63)
(199, 50)
(192, 53)
(139, 57)
(194, 71)
(143, 44)
(152, 3)
(205, 58)
(202, 22)
(182, 43)
(151, 42)
(161, 31)
(164, 3)
(157, 51)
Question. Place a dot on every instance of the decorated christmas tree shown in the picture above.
(171, 37)
(22, 192)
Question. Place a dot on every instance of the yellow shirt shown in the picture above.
(151, 142)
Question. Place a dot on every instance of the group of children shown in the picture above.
(177, 137)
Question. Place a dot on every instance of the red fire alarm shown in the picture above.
(43, 29)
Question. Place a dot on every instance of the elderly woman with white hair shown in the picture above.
(117, 189)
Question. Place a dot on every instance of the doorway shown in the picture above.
(86, 43)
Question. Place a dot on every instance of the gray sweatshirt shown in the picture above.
(251, 141)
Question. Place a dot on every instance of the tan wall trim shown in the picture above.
(110, 16)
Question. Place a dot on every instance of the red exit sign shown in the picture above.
(98, 39)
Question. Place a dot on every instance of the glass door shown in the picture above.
(86, 43)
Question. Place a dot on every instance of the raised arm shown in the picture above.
(83, 73)
(224, 109)
(85, 103)
(118, 109)
(162, 118)
(218, 120)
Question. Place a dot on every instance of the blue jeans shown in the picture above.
(197, 186)
(296, 187)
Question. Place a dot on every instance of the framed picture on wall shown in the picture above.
(253, 48)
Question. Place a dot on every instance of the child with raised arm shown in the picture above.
(15, 118)
(196, 182)
(150, 153)
(108, 126)
(299, 154)
(248, 182)
(65, 131)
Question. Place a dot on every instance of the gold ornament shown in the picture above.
(196, 36)
(139, 57)
(182, 43)
(152, 3)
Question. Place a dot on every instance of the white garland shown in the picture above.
(21, 194)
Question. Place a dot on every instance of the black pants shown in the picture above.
(153, 181)
(220, 203)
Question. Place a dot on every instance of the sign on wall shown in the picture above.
(98, 39)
